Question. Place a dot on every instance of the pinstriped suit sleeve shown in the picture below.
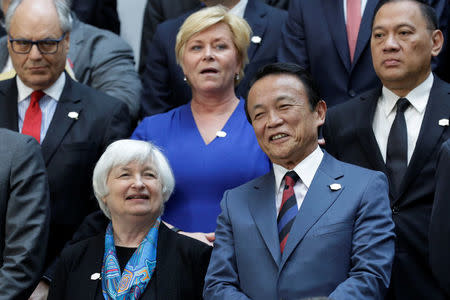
(26, 216)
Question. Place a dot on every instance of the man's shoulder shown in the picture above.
(89, 32)
(333, 167)
(172, 25)
(353, 104)
(11, 140)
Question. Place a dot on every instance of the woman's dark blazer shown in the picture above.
(181, 264)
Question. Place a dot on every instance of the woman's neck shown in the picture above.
(129, 234)
(211, 103)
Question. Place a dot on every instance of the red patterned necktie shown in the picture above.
(353, 22)
(33, 116)
(288, 208)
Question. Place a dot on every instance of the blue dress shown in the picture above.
(203, 172)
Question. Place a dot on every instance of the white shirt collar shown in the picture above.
(418, 97)
(54, 91)
(306, 169)
(239, 8)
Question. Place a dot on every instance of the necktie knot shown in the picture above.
(36, 96)
(402, 104)
(291, 177)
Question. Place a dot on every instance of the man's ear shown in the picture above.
(321, 110)
(438, 40)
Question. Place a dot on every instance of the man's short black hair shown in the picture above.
(427, 11)
(288, 69)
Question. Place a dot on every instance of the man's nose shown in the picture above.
(391, 43)
(274, 119)
(34, 52)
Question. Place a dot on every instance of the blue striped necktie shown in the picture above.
(288, 208)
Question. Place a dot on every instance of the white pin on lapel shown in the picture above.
(256, 39)
(95, 276)
(221, 133)
(444, 122)
(73, 115)
(335, 187)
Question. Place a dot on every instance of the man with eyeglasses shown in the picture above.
(97, 58)
(73, 122)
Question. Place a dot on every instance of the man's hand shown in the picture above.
(207, 238)
(40, 292)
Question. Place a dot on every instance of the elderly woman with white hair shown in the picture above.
(137, 257)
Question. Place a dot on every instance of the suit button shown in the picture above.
(352, 93)
(395, 210)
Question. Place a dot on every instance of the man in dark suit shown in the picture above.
(323, 48)
(73, 123)
(24, 207)
(313, 226)
(439, 224)
(163, 77)
(97, 58)
(399, 130)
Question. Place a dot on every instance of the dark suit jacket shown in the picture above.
(101, 60)
(24, 214)
(163, 78)
(70, 149)
(181, 264)
(440, 225)
(349, 137)
(156, 12)
(99, 13)
(322, 47)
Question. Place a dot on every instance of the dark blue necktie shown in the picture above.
(288, 208)
(397, 147)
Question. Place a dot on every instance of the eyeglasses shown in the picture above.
(47, 46)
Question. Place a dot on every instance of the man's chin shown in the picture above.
(38, 83)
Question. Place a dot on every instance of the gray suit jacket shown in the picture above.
(24, 214)
(101, 60)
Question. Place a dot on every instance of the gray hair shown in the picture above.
(62, 9)
(123, 152)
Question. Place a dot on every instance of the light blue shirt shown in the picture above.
(47, 104)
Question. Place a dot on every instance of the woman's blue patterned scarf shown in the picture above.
(138, 271)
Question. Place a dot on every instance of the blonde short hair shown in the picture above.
(207, 17)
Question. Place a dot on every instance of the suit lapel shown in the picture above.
(364, 30)
(334, 16)
(91, 285)
(9, 115)
(263, 210)
(255, 15)
(438, 107)
(363, 124)
(61, 122)
(317, 201)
